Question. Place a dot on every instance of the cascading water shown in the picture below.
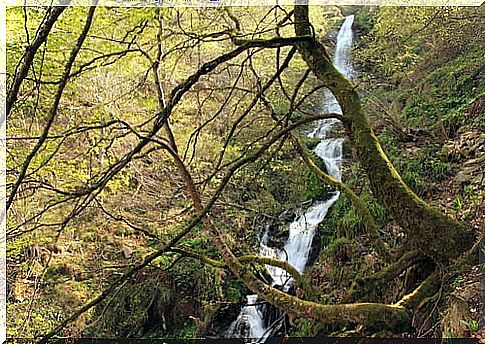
(250, 323)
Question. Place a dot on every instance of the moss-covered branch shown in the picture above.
(364, 285)
(372, 314)
(426, 289)
(300, 281)
(367, 314)
(201, 257)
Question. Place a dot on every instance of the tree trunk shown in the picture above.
(435, 234)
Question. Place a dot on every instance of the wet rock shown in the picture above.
(311, 143)
(287, 216)
(276, 235)
(347, 152)
(224, 315)
(338, 131)
(315, 249)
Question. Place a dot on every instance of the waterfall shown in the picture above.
(251, 324)
(341, 59)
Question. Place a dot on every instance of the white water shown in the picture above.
(250, 323)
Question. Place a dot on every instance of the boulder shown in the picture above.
(468, 145)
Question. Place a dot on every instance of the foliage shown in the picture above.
(444, 96)
(315, 188)
(364, 20)
(404, 37)
(473, 325)
(338, 247)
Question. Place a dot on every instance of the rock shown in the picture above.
(277, 235)
(287, 216)
(223, 315)
(472, 171)
(127, 252)
(311, 143)
(315, 248)
(469, 144)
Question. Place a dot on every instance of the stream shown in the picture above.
(258, 320)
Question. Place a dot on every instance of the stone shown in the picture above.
(472, 171)
(127, 252)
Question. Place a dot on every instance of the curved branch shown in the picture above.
(201, 257)
(251, 258)
(282, 265)
(363, 285)
(426, 289)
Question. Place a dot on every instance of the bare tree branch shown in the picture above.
(29, 54)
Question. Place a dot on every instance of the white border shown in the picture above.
(219, 3)
(138, 3)
(3, 195)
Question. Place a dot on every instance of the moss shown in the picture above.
(307, 328)
(426, 289)
(234, 290)
(363, 287)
